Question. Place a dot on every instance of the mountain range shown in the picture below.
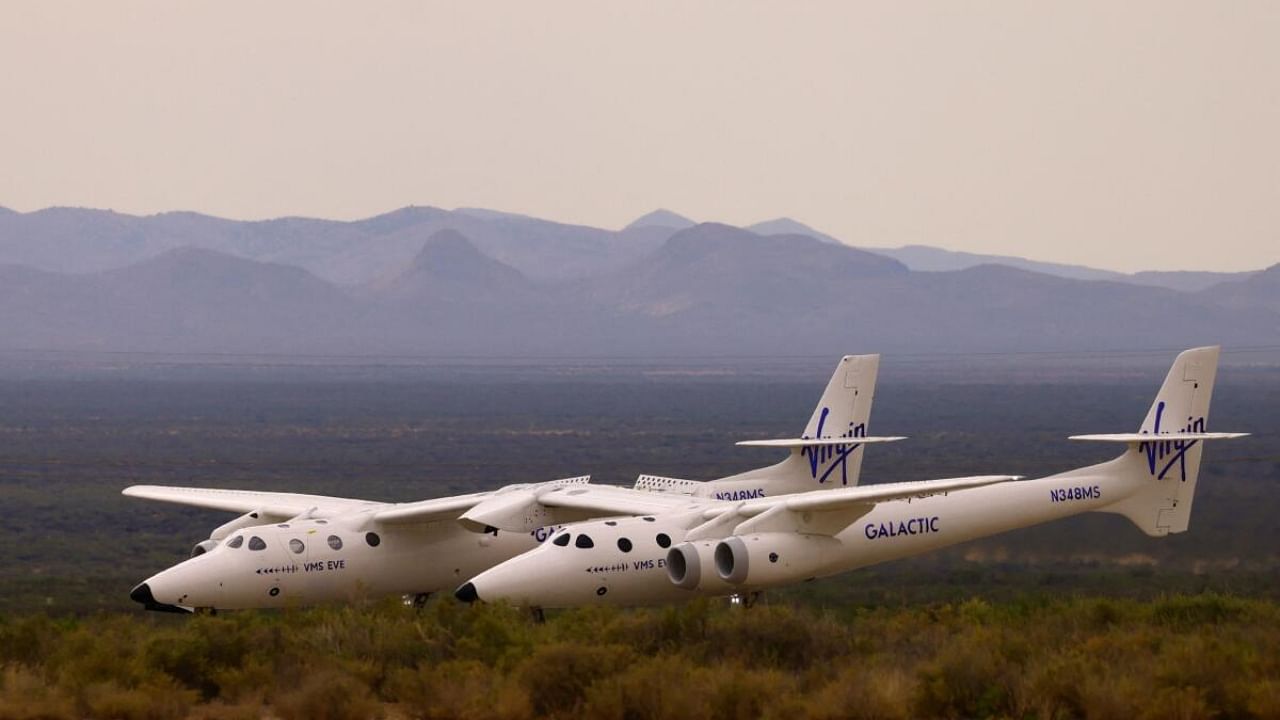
(424, 280)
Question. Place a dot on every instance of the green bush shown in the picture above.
(1182, 656)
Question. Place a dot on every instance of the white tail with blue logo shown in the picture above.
(1163, 457)
(828, 454)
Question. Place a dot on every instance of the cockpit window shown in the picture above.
(663, 540)
(583, 541)
(235, 542)
(335, 542)
(562, 539)
(255, 543)
(624, 545)
(297, 546)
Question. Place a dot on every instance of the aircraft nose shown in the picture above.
(467, 593)
(142, 594)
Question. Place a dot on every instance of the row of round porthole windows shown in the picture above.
(296, 545)
(624, 544)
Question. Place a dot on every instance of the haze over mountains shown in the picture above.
(428, 281)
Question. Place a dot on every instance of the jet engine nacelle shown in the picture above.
(774, 558)
(692, 566)
(203, 547)
(221, 532)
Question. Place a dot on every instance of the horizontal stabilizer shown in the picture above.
(818, 442)
(1158, 437)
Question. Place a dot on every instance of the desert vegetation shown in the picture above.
(1187, 656)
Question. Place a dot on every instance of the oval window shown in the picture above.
(624, 545)
(235, 542)
(255, 543)
(562, 539)
(372, 539)
(663, 540)
(335, 542)
(297, 546)
(583, 542)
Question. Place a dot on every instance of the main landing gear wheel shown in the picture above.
(417, 601)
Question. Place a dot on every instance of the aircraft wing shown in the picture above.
(872, 494)
(424, 511)
(605, 501)
(274, 504)
(822, 512)
(458, 507)
(595, 501)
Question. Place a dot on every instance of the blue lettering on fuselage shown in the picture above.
(1162, 455)
(895, 528)
(837, 455)
(740, 494)
(541, 534)
(1091, 492)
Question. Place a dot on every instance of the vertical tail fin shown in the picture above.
(843, 411)
(1162, 459)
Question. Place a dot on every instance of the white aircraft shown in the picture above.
(684, 547)
(292, 549)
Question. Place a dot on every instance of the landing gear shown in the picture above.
(537, 615)
(417, 601)
(204, 611)
(745, 601)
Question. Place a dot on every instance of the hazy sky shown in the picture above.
(1127, 135)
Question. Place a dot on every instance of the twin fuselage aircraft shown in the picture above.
(567, 542)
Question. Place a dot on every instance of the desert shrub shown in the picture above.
(244, 709)
(1188, 611)
(326, 695)
(27, 639)
(1264, 698)
(776, 637)
(652, 689)
(556, 676)
(158, 699)
(1185, 703)
(741, 693)
(1113, 695)
(197, 654)
(458, 689)
(864, 692)
(24, 695)
(971, 676)
(674, 687)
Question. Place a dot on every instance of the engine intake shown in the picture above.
(775, 558)
(203, 547)
(691, 565)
